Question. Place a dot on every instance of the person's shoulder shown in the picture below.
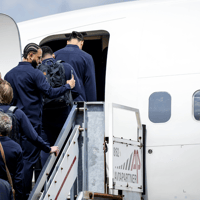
(67, 66)
(11, 72)
(38, 73)
(59, 51)
(68, 69)
(28, 69)
(13, 69)
(87, 55)
(15, 146)
(4, 107)
(19, 113)
(5, 190)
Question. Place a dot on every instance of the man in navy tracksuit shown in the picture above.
(82, 63)
(29, 85)
(14, 161)
(54, 117)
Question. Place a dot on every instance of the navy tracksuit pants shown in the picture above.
(32, 155)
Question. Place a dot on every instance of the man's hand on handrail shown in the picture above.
(55, 150)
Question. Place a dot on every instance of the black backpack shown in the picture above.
(14, 134)
(55, 75)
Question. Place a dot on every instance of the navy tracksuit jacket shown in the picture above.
(14, 162)
(83, 64)
(29, 85)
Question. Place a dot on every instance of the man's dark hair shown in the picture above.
(46, 50)
(76, 35)
(31, 47)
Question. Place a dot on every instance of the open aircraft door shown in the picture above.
(10, 45)
(125, 152)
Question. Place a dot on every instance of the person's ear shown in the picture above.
(30, 56)
(53, 55)
(82, 43)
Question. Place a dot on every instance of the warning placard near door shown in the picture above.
(127, 166)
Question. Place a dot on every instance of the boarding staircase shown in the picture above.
(81, 169)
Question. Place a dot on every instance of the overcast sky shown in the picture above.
(22, 10)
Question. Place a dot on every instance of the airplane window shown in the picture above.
(196, 105)
(159, 107)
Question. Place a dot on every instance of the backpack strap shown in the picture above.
(60, 61)
(48, 61)
(39, 66)
(7, 171)
(12, 109)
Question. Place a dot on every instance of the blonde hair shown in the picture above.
(6, 92)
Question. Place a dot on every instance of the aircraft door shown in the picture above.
(10, 45)
(125, 155)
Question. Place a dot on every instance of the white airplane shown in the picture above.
(153, 64)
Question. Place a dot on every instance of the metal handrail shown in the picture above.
(52, 158)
